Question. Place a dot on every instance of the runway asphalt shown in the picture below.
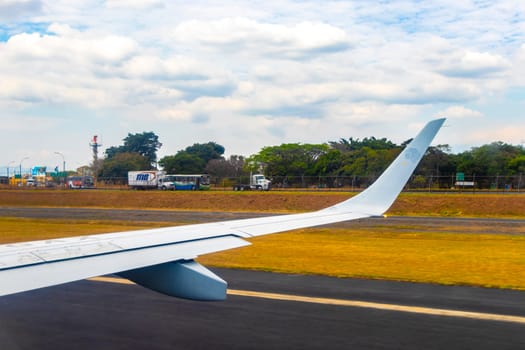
(484, 225)
(102, 315)
(106, 315)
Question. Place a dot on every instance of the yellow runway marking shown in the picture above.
(356, 303)
(111, 280)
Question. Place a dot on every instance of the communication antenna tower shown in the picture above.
(94, 146)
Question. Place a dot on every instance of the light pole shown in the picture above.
(63, 166)
(8, 179)
(20, 183)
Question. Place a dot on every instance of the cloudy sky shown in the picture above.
(248, 74)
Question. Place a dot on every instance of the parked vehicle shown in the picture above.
(80, 182)
(154, 179)
(190, 181)
(144, 179)
(257, 182)
(166, 182)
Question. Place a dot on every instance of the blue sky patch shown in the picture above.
(25, 27)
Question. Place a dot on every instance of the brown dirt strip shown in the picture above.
(427, 204)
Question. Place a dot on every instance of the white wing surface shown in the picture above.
(163, 259)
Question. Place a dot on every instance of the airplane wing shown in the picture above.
(163, 259)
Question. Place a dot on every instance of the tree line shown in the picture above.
(362, 160)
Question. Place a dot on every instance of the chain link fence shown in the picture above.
(515, 183)
(358, 183)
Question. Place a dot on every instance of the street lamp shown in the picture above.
(21, 168)
(63, 166)
(8, 179)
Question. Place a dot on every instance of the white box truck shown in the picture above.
(144, 179)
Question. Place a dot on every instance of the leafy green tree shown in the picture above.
(113, 151)
(488, 160)
(193, 159)
(146, 144)
(437, 161)
(206, 151)
(121, 163)
(291, 159)
(364, 158)
(329, 163)
(438, 166)
(182, 163)
(355, 144)
(517, 164)
(367, 161)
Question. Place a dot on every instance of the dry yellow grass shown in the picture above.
(20, 229)
(404, 253)
(444, 258)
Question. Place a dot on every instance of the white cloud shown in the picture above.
(156, 68)
(472, 64)
(11, 10)
(512, 134)
(134, 4)
(214, 107)
(457, 112)
(518, 68)
(64, 66)
(70, 45)
(243, 36)
(25, 124)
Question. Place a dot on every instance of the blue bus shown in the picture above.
(190, 181)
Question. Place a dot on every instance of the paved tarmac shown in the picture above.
(436, 224)
(104, 315)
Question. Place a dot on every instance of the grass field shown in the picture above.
(443, 255)
(443, 258)
(21, 229)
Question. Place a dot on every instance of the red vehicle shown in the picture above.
(80, 182)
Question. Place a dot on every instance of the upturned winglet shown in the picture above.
(377, 198)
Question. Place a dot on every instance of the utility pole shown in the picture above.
(20, 183)
(63, 166)
(8, 178)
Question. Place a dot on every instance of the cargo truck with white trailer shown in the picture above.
(257, 182)
(155, 179)
(145, 179)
